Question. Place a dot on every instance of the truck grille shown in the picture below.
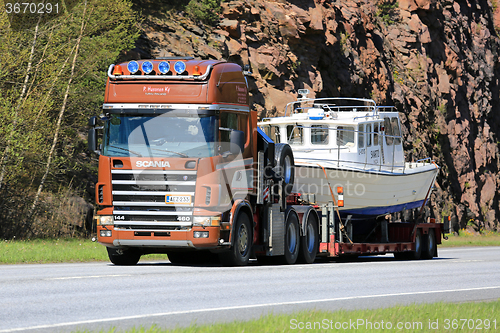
(139, 199)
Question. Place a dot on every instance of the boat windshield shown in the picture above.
(160, 135)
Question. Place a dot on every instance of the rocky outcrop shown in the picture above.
(436, 60)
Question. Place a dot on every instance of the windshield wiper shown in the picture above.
(170, 151)
(128, 150)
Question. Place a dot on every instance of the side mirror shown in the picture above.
(92, 137)
(92, 140)
(237, 140)
(93, 121)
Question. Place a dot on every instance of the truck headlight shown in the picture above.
(105, 220)
(200, 234)
(207, 221)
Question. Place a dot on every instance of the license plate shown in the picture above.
(178, 199)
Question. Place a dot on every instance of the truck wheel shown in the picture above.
(123, 257)
(283, 157)
(239, 254)
(292, 239)
(415, 255)
(309, 242)
(429, 246)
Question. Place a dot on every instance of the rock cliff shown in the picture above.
(437, 61)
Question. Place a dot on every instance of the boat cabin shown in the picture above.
(353, 133)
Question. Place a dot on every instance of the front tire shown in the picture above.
(123, 257)
(239, 253)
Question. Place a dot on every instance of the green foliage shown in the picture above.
(387, 11)
(207, 11)
(433, 317)
(32, 90)
(344, 38)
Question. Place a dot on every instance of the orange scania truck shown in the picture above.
(184, 169)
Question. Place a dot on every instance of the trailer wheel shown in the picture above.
(284, 165)
(429, 246)
(123, 257)
(239, 254)
(309, 242)
(412, 255)
(292, 239)
(415, 255)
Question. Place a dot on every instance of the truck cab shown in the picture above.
(176, 158)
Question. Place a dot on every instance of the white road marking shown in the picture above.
(94, 321)
(87, 277)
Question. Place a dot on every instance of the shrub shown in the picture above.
(387, 11)
(207, 11)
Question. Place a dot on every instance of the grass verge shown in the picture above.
(466, 238)
(436, 317)
(43, 251)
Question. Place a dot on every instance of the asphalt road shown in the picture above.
(95, 296)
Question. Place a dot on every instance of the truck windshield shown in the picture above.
(160, 135)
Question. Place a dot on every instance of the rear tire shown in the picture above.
(123, 257)
(309, 242)
(239, 253)
(412, 255)
(285, 166)
(292, 239)
(415, 255)
(429, 245)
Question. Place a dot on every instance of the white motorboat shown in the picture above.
(354, 144)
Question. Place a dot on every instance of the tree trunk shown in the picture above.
(5, 154)
(59, 119)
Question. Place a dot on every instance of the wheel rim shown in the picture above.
(310, 237)
(242, 239)
(287, 172)
(292, 238)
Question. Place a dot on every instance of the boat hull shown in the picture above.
(367, 193)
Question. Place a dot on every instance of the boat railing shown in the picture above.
(332, 104)
(366, 166)
(386, 108)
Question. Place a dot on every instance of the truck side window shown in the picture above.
(319, 134)
(228, 121)
(395, 130)
(294, 135)
(388, 131)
